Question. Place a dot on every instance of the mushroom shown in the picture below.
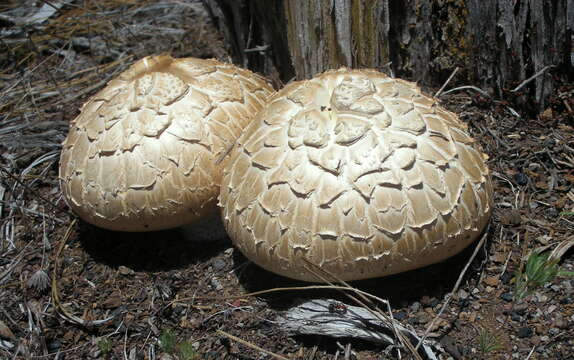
(358, 173)
(146, 152)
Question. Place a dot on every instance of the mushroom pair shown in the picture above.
(353, 171)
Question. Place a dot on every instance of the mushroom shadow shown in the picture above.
(434, 281)
(156, 250)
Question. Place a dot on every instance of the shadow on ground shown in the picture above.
(157, 250)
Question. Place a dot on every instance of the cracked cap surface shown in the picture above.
(358, 173)
(144, 153)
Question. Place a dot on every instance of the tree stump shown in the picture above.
(497, 44)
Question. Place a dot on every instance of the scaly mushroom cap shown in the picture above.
(358, 173)
(145, 152)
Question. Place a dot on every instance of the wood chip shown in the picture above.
(5, 331)
(113, 301)
(491, 281)
(511, 217)
(499, 257)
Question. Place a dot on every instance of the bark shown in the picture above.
(497, 44)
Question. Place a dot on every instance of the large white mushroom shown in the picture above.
(145, 152)
(358, 173)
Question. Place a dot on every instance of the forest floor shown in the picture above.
(69, 290)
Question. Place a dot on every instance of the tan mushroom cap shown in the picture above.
(358, 173)
(144, 153)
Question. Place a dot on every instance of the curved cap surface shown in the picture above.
(145, 152)
(358, 173)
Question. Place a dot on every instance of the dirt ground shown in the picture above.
(69, 290)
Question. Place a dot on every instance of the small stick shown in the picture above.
(253, 346)
(437, 94)
(126, 344)
(259, 48)
(339, 280)
(522, 84)
(53, 206)
(469, 88)
(530, 353)
(506, 263)
(499, 140)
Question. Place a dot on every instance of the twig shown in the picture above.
(468, 87)
(561, 249)
(455, 288)
(126, 344)
(317, 268)
(505, 266)
(319, 317)
(530, 353)
(250, 345)
(511, 110)
(226, 312)
(498, 139)
(522, 84)
(35, 192)
(7, 233)
(499, 176)
(12, 206)
(259, 48)
(437, 94)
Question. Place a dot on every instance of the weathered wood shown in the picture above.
(497, 43)
(255, 33)
(325, 317)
